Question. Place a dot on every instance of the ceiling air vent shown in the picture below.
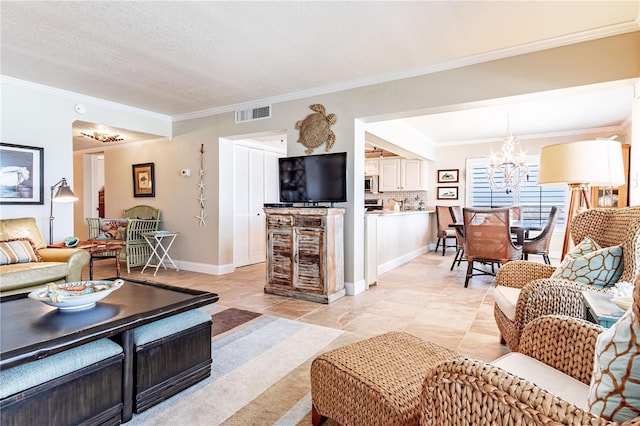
(253, 114)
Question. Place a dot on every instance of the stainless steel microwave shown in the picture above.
(371, 184)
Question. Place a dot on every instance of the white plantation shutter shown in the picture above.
(536, 201)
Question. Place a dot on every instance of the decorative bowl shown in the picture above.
(75, 295)
(71, 241)
(623, 302)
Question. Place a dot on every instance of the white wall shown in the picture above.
(42, 117)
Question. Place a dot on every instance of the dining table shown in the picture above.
(519, 229)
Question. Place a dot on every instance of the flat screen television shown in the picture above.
(313, 178)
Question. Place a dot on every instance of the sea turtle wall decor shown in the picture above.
(315, 129)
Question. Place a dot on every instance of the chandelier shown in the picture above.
(102, 137)
(509, 173)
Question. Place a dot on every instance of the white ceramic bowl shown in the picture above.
(76, 295)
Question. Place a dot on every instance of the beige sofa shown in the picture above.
(58, 264)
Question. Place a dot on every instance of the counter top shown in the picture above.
(394, 213)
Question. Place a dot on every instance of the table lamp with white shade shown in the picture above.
(580, 165)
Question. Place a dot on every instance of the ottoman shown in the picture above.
(170, 355)
(78, 386)
(377, 381)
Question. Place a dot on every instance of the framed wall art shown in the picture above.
(447, 193)
(449, 175)
(21, 174)
(144, 184)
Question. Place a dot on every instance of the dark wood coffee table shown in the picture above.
(31, 330)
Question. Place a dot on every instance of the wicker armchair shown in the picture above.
(539, 295)
(471, 392)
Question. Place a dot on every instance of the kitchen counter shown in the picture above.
(405, 212)
(401, 236)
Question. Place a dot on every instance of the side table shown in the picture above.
(98, 250)
(599, 308)
(160, 243)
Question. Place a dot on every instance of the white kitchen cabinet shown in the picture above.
(371, 167)
(412, 175)
(400, 174)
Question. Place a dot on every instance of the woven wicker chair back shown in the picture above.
(443, 218)
(610, 227)
(515, 213)
(488, 234)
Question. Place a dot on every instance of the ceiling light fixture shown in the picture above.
(509, 174)
(102, 137)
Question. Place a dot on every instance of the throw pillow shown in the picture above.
(18, 250)
(614, 393)
(113, 229)
(600, 268)
(586, 246)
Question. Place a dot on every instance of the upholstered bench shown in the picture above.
(82, 385)
(376, 381)
(170, 355)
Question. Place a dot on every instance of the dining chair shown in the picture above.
(488, 239)
(445, 232)
(539, 244)
(456, 216)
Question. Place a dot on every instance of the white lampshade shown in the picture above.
(593, 162)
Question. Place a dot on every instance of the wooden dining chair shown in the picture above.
(456, 216)
(539, 244)
(445, 232)
(487, 240)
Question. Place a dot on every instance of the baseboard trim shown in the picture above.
(394, 263)
(205, 268)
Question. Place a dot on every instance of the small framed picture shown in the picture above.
(446, 176)
(144, 184)
(447, 193)
(21, 174)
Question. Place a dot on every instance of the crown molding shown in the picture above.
(78, 97)
(575, 132)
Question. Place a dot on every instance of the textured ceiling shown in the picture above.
(194, 58)
(177, 58)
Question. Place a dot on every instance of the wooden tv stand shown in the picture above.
(305, 254)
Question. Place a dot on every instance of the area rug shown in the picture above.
(259, 376)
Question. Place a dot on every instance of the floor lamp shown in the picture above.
(64, 195)
(581, 165)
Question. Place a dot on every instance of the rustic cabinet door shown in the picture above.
(308, 260)
(279, 263)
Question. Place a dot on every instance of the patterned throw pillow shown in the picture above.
(614, 393)
(113, 229)
(18, 250)
(588, 263)
(585, 246)
(600, 268)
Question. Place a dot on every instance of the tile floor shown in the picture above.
(422, 297)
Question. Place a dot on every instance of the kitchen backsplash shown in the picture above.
(411, 198)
